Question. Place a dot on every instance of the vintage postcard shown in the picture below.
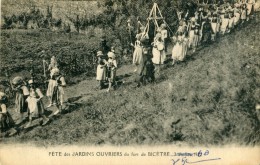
(169, 82)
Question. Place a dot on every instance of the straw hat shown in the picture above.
(17, 80)
(2, 94)
(55, 71)
(30, 82)
(163, 25)
(142, 28)
(138, 36)
(99, 53)
(158, 35)
(111, 55)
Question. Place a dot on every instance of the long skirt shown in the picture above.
(214, 27)
(224, 25)
(218, 27)
(58, 95)
(243, 15)
(231, 23)
(193, 39)
(138, 55)
(158, 56)
(7, 121)
(36, 108)
(101, 73)
(179, 51)
(111, 74)
(51, 85)
(236, 19)
(249, 8)
(20, 104)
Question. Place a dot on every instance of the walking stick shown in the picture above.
(130, 34)
(44, 69)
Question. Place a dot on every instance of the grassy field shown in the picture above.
(207, 100)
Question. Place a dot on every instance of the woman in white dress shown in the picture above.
(35, 104)
(236, 16)
(138, 52)
(101, 69)
(111, 69)
(224, 21)
(243, 13)
(214, 25)
(193, 34)
(52, 68)
(231, 19)
(249, 5)
(180, 48)
(158, 51)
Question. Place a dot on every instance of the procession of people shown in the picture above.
(206, 25)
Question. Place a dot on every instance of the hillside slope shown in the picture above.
(208, 99)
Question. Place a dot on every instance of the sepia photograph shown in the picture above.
(112, 82)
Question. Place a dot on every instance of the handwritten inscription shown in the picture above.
(185, 159)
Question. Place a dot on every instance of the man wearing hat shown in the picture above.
(35, 104)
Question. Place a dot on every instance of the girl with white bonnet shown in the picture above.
(53, 63)
(193, 34)
(111, 69)
(224, 21)
(35, 104)
(180, 48)
(138, 52)
(52, 68)
(51, 86)
(101, 69)
(158, 51)
(164, 34)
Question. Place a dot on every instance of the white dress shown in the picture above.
(193, 37)
(180, 49)
(231, 22)
(159, 56)
(51, 85)
(236, 18)
(138, 53)
(34, 106)
(224, 25)
(250, 6)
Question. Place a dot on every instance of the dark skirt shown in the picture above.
(21, 104)
(7, 121)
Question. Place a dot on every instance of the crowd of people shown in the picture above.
(29, 99)
(202, 27)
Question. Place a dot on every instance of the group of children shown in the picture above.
(202, 27)
(29, 98)
(207, 24)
